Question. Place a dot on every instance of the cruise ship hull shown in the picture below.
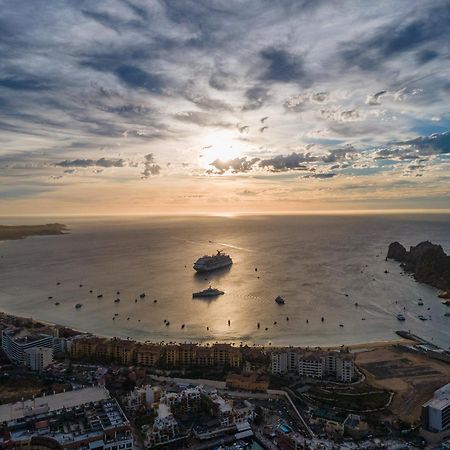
(203, 269)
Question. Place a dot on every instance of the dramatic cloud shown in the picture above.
(236, 165)
(150, 168)
(261, 87)
(436, 143)
(102, 162)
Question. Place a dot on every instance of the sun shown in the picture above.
(223, 145)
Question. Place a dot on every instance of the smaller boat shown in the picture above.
(49, 297)
(100, 296)
(422, 318)
(58, 283)
(117, 300)
(210, 292)
(78, 305)
(280, 300)
(401, 317)
(56, 303)
(420, 303)
(341, 325)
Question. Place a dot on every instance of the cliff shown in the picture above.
(426, 261)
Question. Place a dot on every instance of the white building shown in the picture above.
(311, 366)
(16, 341)
(165, 428)
(143, 396)
(38, 358)
(314, 364)
(436, 412)
(284, 361)
(82, 419)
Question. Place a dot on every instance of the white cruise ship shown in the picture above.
(207, 263)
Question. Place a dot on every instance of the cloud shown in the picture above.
(150, 168)
(282, 163)
(301, 101)
(256, 97)
(283, 66)
(236, 165)
(398, 37)
(374, 99)
(102, 162)
(437, 143)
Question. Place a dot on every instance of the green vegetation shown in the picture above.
(354, 401)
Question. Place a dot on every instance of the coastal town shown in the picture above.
(65, 389)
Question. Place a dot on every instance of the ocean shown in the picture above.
(321, 265)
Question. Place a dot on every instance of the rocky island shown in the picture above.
(426, 261)
(8, 232)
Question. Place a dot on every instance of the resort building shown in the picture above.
(165, 428)
(311, 366)
(436, 412)
(16, 340)
(148, 355)
(38, 358)
(144, 396)
(338, 366)
(83, 419)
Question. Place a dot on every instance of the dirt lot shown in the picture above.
(412, 376)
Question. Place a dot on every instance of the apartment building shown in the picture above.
(38, 358)
(314, 364)
(436, 412)
(82, 419)
(15, 341)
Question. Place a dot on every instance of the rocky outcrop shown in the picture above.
(396, 251)
(427, 261)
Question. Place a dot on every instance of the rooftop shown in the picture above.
(39, 405)
(23, 336)
(441, 398)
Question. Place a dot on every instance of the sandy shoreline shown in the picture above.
(357, 346)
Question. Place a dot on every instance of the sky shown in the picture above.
(223, 106)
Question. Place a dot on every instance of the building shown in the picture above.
(144, 396)
(16, 341)
(165, 428)
(38, 358)
(311, 366)
(337, 366)
(436, 412)
(148, 355)
(82, 419)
